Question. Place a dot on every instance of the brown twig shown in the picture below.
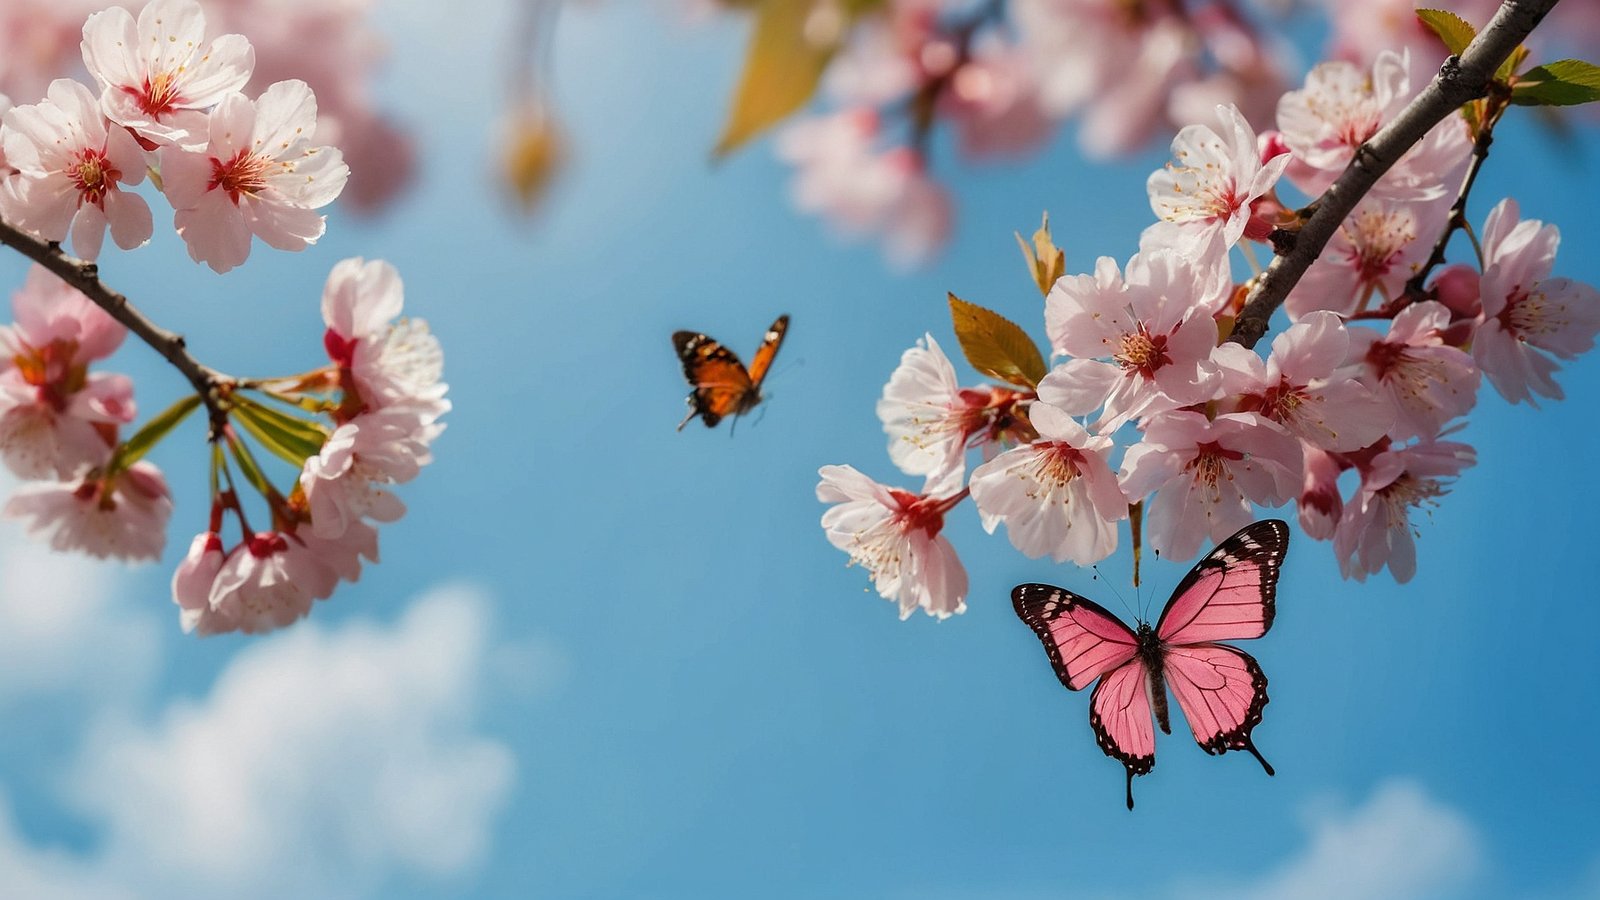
(212, 386)
(1459, 81)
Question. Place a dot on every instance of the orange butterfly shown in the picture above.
(722, 385)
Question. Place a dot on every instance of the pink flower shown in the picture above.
(1427, 381)
(56, 417)
(1375, 529)
(388, 361)
(1380, 246)
(993, 100)
(124, 516)
(1342, 106)
(895, 536)
(70, 172)
(1208, 189)
(5, 167)
(158, 76)
(191, 586)
(1057, 495)
(343, 483)
(266, 582)
(1091, 56)
(1320, 503)
(931, 420)
(842, 176)
(39, 42)
(1525, 311)
(1156, 326)
(1302, 387)
(1207, 474)
(258, 175)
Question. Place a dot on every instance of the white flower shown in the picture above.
(1057, 495)
(895, 536)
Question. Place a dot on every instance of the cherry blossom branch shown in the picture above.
(212, 386)
(1458, 210)
(1460, 80)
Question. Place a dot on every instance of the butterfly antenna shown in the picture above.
(1100, 576)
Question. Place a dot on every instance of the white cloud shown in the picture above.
(1400, 844)
(64, 629)
(323, 761)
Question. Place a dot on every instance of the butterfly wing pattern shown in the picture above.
(1228, 595)
(721, 385)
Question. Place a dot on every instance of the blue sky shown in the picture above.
(605, 659)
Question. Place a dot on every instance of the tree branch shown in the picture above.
(1459, 81)
(212, 386)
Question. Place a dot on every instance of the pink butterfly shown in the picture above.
(1226, 596)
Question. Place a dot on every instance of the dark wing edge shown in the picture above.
(1265, 543)
(1038, 605)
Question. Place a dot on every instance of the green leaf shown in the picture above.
(1455, 31)
(1565, 82)
(995, 346)
(290, 438)
(252, 471)
(792, 43)
(133, 449)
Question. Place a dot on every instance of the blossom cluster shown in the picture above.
(169, 101)
(387, 399)
(1150, 409)
(1004, 76)
(332, 46)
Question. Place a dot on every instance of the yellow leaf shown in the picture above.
(995, 346)
(1045, 261)
(790, 46)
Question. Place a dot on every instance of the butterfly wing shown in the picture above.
(1221, 691)
(1084, 641)
(720, 382)
(762, 362)
(1119, 713)
(1228, 595)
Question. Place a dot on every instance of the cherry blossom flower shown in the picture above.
(1208, 190)
(895, 536)
(993, 101)
(1525, 311)
(1155, 325)
(1428, 381)
(1375, 530)
(266, 582)
(258, 175)
(122, 516)
(388, 361)
(1320, 503)
(1302, 387)
(5, 167)
(1117, 69)
(931, 420)
(1207, 474)
(191, 586)
(841, 175)
(157, 76)
(1057, 495)
(343, 483)
(56, 417)
(1380, 246)
(1341, 106)
(70, 173)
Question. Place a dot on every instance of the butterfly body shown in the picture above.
(1228, 595)
(720, 384)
